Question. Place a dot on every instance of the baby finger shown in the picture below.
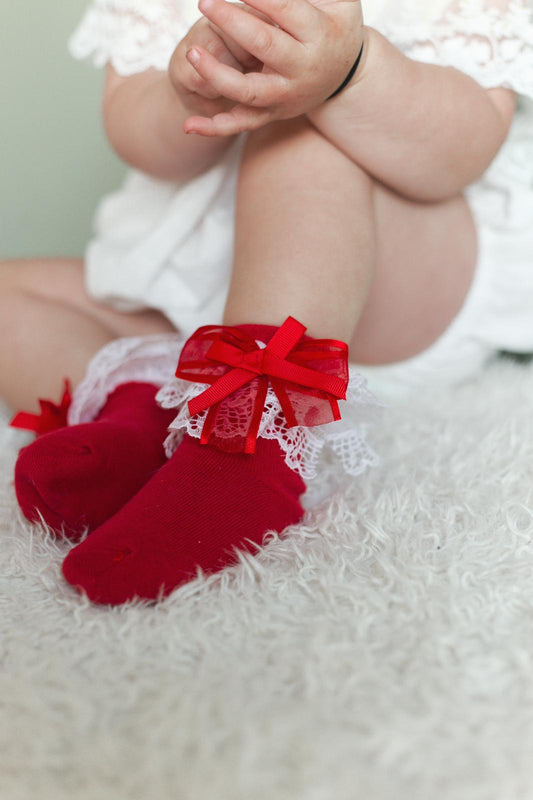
(271, 45)
(237, 120)
(198, 85)
(251, 89)
(242, 56)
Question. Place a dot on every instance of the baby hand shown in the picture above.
(197, 94)
(306, 51)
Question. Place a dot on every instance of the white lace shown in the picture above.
(152, 359)
(303, 447)
(491, 40)
(146, 359)
(133, 35)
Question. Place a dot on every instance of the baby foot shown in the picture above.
(79, 476)
(197, 508)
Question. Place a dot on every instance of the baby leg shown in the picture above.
(309, 225)
(318, 238)
(77, 476)
(54, 328)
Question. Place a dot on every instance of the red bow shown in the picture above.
(308, 377)
(51, 418)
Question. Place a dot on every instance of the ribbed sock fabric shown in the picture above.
(79, 476)
(199, 506)
(202, 505)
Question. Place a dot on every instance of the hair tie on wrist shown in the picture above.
(349, 76)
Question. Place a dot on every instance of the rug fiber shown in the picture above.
(383, 650)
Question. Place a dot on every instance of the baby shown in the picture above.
(307, 186)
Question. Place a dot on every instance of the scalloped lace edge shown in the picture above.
(493, 46)
(131, 38)
(151, 359)
(303, 447)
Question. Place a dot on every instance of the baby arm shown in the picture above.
(305, 50)
(143, 119)
(144, 113)
(425, 131)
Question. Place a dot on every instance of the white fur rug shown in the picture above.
(381, 651)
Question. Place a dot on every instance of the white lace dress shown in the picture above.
(169, 246)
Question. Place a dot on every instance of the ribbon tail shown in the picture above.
(219, 390)
(334, 403)
(259, 404)
(286, 337)
(26, 421)
(285, 403)
(209, 424)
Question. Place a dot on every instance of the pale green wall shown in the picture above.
(54, 160)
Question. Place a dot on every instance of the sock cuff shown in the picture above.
(143, 359)
(286, 395)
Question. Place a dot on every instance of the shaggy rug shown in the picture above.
(382, 650)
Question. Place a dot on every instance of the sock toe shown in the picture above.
(46, 473)
(199, 508)
(77, 477)
(85, 570)
(104, 572)
(80, 484)
(35, 508)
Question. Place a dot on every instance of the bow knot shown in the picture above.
(308, 378)
(254, 361)
(225, 353)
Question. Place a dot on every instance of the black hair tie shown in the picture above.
(350, 74)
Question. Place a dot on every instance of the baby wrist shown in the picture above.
(350, 75)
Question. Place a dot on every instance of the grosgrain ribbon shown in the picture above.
(51, 418)
(208, 357)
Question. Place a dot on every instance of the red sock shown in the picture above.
(212, 498)
(200, 505)
(79, 476)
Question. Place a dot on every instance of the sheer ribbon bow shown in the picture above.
(308, 376)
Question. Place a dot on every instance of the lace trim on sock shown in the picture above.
(152, 359)
(303, 447)
(146, 359)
